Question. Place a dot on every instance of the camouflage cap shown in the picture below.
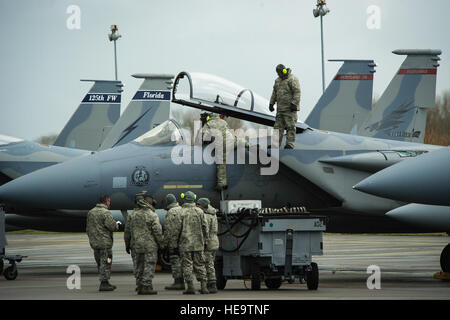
(203, 202)
(170, 198)
(188, 196)
(140, 195)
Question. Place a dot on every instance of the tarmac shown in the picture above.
(406, 262)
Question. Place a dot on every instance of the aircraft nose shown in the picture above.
(73, 184)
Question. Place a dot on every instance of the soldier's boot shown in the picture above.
(146, 290)
(177, 285)
(212, 288)
(190, 288)
(204, 288)
(106, 286)
(138, 288)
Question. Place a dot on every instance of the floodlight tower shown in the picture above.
(114, 36)
(321, 10)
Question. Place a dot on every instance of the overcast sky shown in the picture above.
(42, 60)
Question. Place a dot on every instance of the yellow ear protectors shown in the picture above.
(284, 71)
(182, 196)
(207, 118)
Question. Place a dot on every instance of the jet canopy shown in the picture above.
(167, 133)
(4, 140)
(211, 88)
(214, 94)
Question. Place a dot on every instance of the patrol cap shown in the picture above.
(170, 198)
(204, 202)
(188, 196)
(141, 195)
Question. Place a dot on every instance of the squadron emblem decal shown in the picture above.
(140, 176)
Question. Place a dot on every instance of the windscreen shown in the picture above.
(4, 140)
(167, 133)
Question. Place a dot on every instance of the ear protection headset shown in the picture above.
(284, 71)
(182, 196)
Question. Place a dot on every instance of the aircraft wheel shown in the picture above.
(273, 283)
(164, 259)
(445, 259)
(256, 282)
(221, 282)
(10, 273)
(312, 277)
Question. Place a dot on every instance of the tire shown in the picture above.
(273, 283)
(221, 282)
(10, 273)
(164, 259)
(2, 265)
(445, 259)
(256, 283)
(312, 277)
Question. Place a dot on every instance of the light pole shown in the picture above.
(321, 10)
(114, 36)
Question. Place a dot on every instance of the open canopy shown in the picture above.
(212, 93)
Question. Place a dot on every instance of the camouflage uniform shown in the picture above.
(286, 93)
(100, 226)
(191, 244)
(171, 233)
(143, 234)
(216, 123)
(212, 244)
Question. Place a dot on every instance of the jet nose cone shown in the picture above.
(423, 179)
(70, 185)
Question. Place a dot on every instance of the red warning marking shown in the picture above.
(417, 71)
(354, 77)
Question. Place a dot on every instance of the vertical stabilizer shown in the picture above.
(150, 107)
(401, 112)
(347, 100)
(95, 116)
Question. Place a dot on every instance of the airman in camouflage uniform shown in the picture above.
(209, 132)
(100, 226)
(286, 94)
(194, 230)
(212, 242)
(143, 234)
(171, 233)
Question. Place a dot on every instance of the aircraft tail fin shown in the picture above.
(401, 112)
(344, 105)
(149, 107)
(97, 113)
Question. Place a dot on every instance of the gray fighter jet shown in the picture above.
(319, 173)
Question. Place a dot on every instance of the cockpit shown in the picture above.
(166, 134)
(5, 140)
